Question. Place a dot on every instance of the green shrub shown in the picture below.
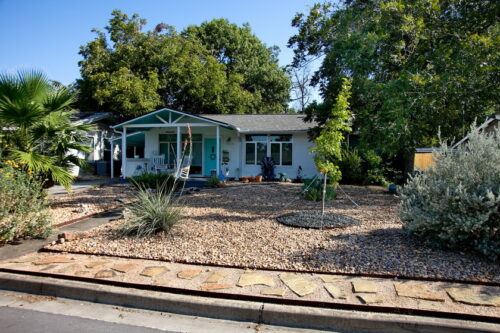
(213, 181)
(152, 212)
(314, 190)
(350, 166)
(155, 180)
(362, 167)
(455, 204)
(23, 212)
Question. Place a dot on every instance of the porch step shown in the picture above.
(200, 182)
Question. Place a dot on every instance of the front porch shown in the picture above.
(162, 136)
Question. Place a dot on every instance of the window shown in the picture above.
(256, 148)
(279, 147)
(168, 147)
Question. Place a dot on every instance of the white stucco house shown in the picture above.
(97, 137)
(230, 144)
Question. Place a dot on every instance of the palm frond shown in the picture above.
(41, 164)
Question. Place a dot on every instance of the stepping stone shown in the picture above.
(189, 274)
(362, 286)
(23, 260)
(124, 268)
(216, 277)
(95, 264)
(429, 305)
(52, 260)
(417, 290)
(330, 278)
(251, 279)
(297, 284)
(154, 271)
(69, 268)
(81, 273)
(335, 291)
(370, 298)
(208, 287)
(273, 292)
(487, 297)
(48, 268)
(161, 282)
(105, 273)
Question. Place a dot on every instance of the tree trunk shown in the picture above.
(324, 194)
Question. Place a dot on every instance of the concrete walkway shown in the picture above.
(23, 247)
(79, 186)
(23, 312)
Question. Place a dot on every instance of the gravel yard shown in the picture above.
(236, 225)
(71, 206)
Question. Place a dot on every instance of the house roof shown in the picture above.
(164, 117)
(89, 117)
(245, 123)
(263, 123)
(492, 121)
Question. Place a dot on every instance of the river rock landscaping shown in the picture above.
(75, 205)
(236, 225)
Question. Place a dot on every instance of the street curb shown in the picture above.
(266, 313)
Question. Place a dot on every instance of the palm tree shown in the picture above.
(35, 116)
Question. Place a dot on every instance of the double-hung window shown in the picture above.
(279, 147)
(256, 148)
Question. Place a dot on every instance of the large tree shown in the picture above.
(131, 72)
(244, 54)
(419, 67)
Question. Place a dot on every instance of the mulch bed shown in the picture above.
(316, 220)
(236, 225)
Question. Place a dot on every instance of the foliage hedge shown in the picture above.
(154, 181)
(23, 211)
(455, 204)
(315, 190)
(363, 167)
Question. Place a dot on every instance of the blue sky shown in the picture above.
(47, 34)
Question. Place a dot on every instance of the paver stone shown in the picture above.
(417, 290)
(297, 284)
(154, 271)
(250, 279)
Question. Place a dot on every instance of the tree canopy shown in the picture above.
(216, 67)
(419, 67)
(37, 132)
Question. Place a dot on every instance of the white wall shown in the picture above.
(301, 156)
(234, 143)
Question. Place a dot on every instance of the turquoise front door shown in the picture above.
(210, 157)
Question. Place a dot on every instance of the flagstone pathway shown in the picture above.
(437, 296)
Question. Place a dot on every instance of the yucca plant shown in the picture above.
(35, 115)
(153, 211)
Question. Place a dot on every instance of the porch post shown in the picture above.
(217, 145)
(112, 158)
(178, 157)
(124, 151)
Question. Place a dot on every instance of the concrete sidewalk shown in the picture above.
(257, 312)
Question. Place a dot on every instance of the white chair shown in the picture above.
(158, 162)
(183, 172)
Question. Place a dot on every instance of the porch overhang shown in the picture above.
(168, 118)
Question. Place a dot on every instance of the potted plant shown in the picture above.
(244, 179)
(258, 179)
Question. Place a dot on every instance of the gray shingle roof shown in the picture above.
(263, 123)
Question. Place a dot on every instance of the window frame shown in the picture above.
(269, 144)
